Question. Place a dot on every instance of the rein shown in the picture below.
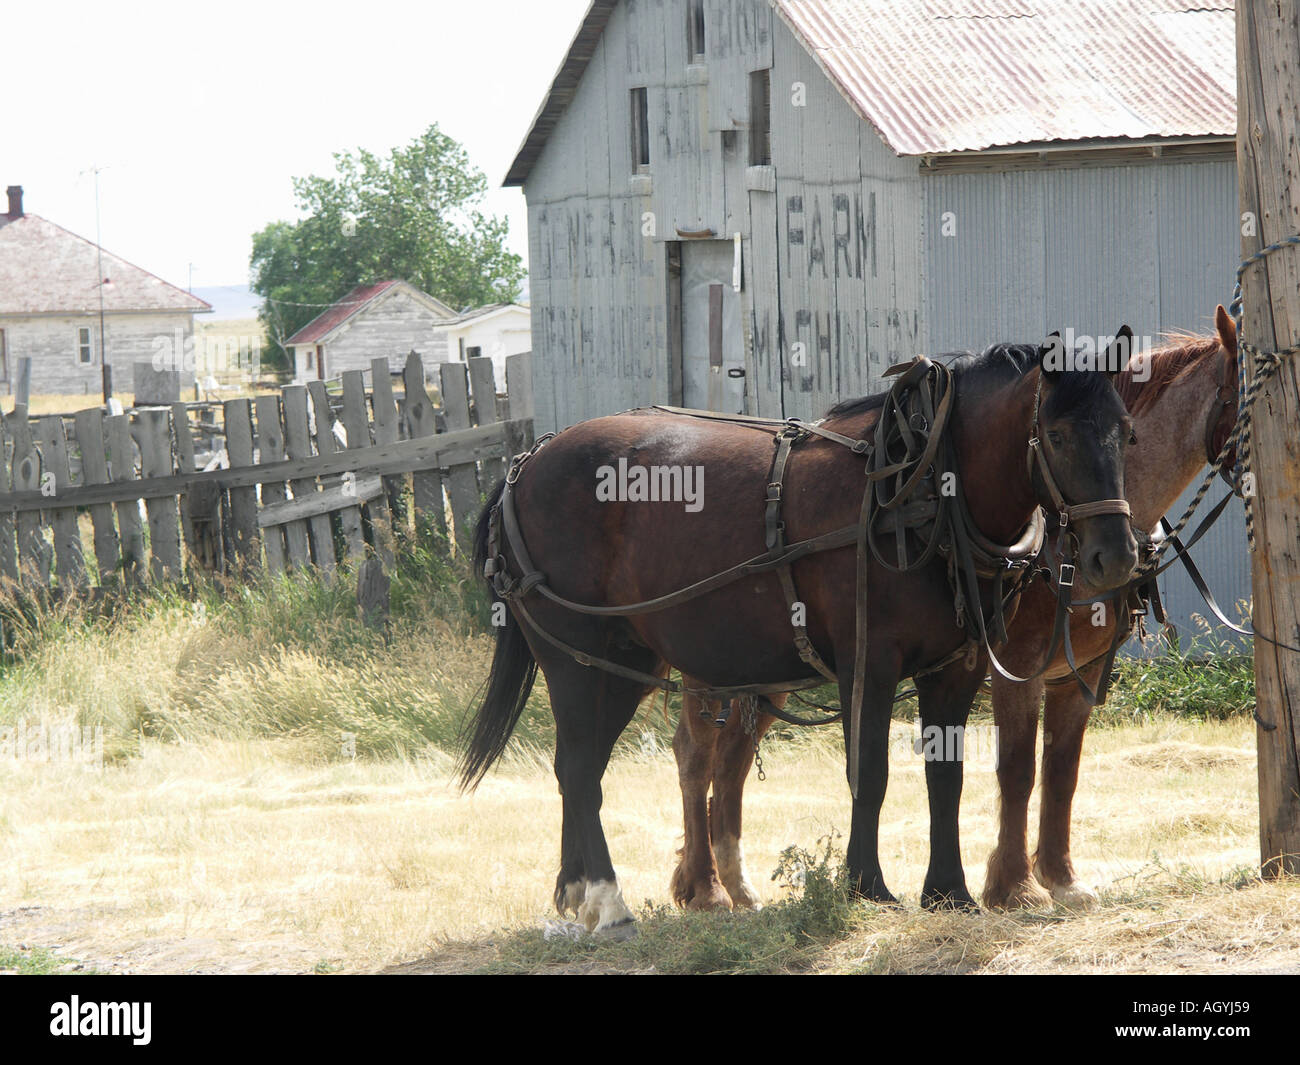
(906, 459)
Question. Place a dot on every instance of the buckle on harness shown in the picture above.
(1066, 576)
(773, 491)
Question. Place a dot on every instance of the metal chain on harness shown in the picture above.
(749, 719)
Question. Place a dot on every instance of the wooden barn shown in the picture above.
(759, 205)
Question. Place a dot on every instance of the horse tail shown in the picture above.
(509, 683)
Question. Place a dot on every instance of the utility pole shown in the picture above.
(107, 371)
(1268, 175)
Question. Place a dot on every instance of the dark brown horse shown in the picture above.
(1183, 403)
(596, 548)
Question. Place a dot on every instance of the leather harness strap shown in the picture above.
(910, 447)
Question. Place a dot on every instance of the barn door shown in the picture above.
(713, 348)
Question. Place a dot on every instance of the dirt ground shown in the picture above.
(240, 859)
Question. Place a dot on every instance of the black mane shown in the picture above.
(991, 368)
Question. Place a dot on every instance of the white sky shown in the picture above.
(201, 113)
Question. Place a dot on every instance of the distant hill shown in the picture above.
(229, 302)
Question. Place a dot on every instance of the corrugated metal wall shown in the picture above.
(1028, 251)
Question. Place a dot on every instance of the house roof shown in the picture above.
(939, 76)
(44, 269)
(344, 310)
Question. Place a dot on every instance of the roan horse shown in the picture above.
(607, 553)
(1183, 406)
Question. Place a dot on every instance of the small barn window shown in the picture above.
(4, 358)
(85, 348)
(695, 30)
(474, 353)
(760, 118)
(640, 130)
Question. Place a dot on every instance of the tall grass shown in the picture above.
(288, 657)
(283, 657)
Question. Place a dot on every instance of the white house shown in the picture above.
(60, 311)
(494, 331)
(389, 319)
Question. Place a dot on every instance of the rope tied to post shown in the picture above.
(1255, 366)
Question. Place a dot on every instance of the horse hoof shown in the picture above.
(958, 899)
(1029, 894)
(712, 901)
(618, 932)
(1074, 896)
(877, 896)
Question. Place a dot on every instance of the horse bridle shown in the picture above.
(1037, 458)
(1225, 394)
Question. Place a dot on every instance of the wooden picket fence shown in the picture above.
(313, 477)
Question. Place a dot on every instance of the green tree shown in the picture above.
(414, 215)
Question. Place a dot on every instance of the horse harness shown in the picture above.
(907, 460)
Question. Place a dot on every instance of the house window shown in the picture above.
(695, 30)
(640, 130)
(760, 118)
(311, 358)
(85, 349)
(473, 353)
(4, 358)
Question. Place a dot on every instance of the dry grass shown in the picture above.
(245, 855)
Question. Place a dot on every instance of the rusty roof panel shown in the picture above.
(936, 76)
(939, 76)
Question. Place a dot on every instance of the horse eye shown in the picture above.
(1132, 438)
(1054, 438)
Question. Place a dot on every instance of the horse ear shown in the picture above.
(1118, 353)
(1227, 330)
(1051, 356)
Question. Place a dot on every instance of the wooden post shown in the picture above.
(354, 541)
(270, 448)
(462, 480)
(33, 550)
(297, 436)
(1268, 172)
(152, 431)
(8, 549)
(483, 387)
(23, 389)
(121, 456)
(56, 477)
(426, 484)
(94, 468)
(244, 539)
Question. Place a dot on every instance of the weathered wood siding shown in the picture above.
(830, 231)
(391, 327)
(52, 345)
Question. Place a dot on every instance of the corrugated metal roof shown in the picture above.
(44, 269)
(938, 76)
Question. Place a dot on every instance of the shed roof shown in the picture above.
(45, 269)
(345, 309)
(939, 76)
